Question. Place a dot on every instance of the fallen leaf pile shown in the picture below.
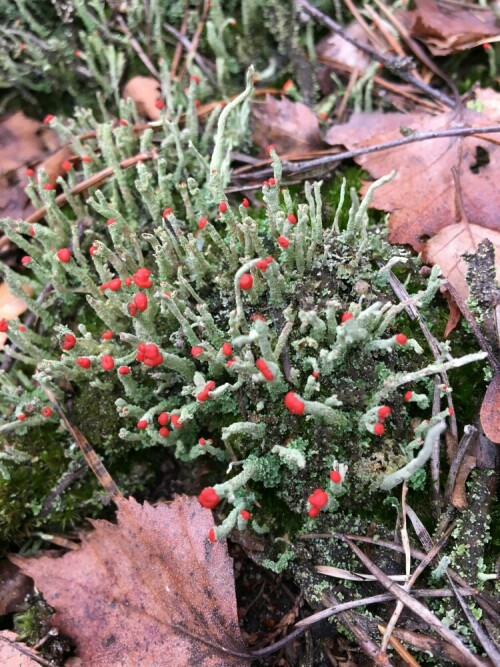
(150, 590)
(444, 199)
(448, 27)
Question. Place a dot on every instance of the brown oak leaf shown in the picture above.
(445, 188)
(490, 411)
(151, 590)
(450, 28)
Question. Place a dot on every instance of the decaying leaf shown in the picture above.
(448, 28)
(336, 49)
(12, 654)
(445, 189)
(290, 126)
(14, 587)
(151, 590)
(10, 308)
(490, 411)
(24, 142)
(145, 92)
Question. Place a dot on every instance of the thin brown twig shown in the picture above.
(397, 66)
(191, 51)
(178, 47)
(137, 47)
(292, 168)
(470, 433)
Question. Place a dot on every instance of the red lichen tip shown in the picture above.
(114, 284)
(335, 476)
(294, 404)
(407, 396)
(163, 418)
(379, 429)
(124, 370)
(315, 374)
(21, 416)
(66, 165)
(142, 424)
(451, 411)
(383, 412)
(123, 122)
(149, 354)
(48, 186)
(164, 432)
(272, 181)
(68, 342)
(202, 222)
(92, 250)
(64, 255)
(292, 219)
(246, 281)
(283, 242)
(346, 316)
(288, 85)
(196, 350)
(84, 362)
(270, 148)
(195, 79)
(110, 221)
(245, 203)
(401, 339)
(107, 362)
(141, 278)
(211, 535)
(48, 119)
(46, 411)
(245, 515)
(227, 349)
(25, 260)
(318, 498)
(141, 301)
(4, 325)
(160, 104)
(176, 421)
(222, 207)
(208, 498)
(166, 212)
(264, 369)
(313, 512)
(87, 159)
(29, 173)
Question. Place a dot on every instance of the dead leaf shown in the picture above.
(423, 197)
(459, 494)
(338, 50)
(14, 587)
(10, 308)
(290, 126)
(144, 91)
(11, 654)
(450, 28)
(454, 312)
(151, 590)
(490, 411)
(53, 164)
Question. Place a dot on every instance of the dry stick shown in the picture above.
(137, 48)
(395, 143)
(414, 605)
(395, 65)
(93, 460)
(353, 77)
(470, 433)
(178, 48)
(188, 46)
(426, 540)
(375, 599)
(372, 36)
(192, 49)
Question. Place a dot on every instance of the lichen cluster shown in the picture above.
(261, 336)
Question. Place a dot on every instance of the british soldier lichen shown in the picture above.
(290, 364)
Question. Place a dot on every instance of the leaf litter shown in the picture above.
(150, 590)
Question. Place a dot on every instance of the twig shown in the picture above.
(188, 46)
(178, 47)
(137, 48)
(191, 52)
(417, 607)
(366, 150)
(470, 433)
(395, 65)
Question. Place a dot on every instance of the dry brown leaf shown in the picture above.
(144, 91)
(423, 198)
(459, 494)
(11, 654)
(52, 164)
(151, 590)
(10, 308)
(448, 28)
(338, 50)
(290, 126)
(455, 314)
(490, 411)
